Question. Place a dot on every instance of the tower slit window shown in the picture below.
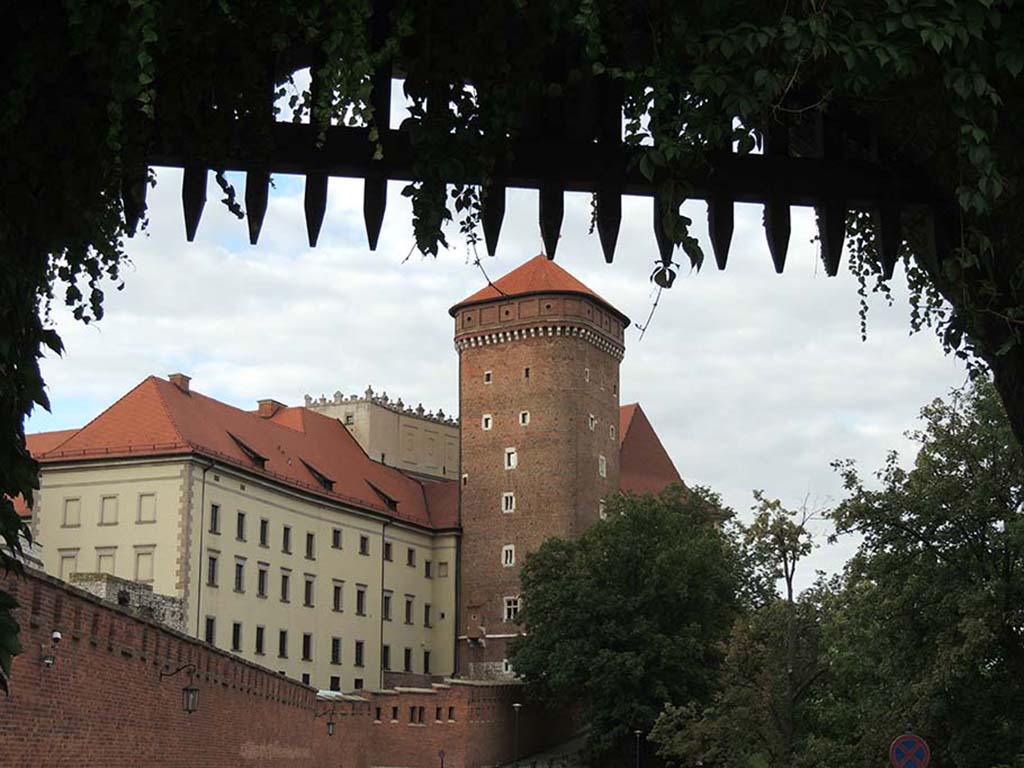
(511, 458)
(508, 555)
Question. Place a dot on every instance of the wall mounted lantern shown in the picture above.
(330, 719)
(189, 694)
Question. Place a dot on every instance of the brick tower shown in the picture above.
(539, 357)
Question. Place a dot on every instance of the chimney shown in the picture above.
(267, 408)
(180, 380)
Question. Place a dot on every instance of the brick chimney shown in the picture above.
(180, 380)
(267, 408)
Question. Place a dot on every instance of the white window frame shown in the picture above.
(602, 466)
(592, 422)
(586, 374)
(486, 422)
(602, 509)
(524, 418)
(508, 555)
(488, 377)
(611, 431)
(511, 458)
(512, 604)
(506, 667)
(508, 502)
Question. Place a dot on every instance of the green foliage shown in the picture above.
(632, 614)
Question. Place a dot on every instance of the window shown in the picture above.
(487, 422)
(615, 389)
(359, 653)
(426, 670)
(282, 644)
(211, 571)
(511, 608)
(357, 684)
(437, 714)
(264, 532)
(286, 540)
(307, 646)
(386, 607)
(465, 480)
(210, 630)
(524, 418)
(385, 657)
(215, 518)
(508, 555)
(586, 374)
(488, 377)
(407, 660)
(68, 563)
(144, 564)
(408, 609)
(307, 591)
(426, 615)
(508, 502)
(442, 570)
(611, 431)
(591, 422)
(108, 510)
(240, 526)
(387, 551)
(72, 513)
(506, 666)
(410, 557)
(336, 538)
(335, 650)
(602, 466)
(364, 545)
(236, 636)
(147, 508)
(394, 714)
(350, 419)
(602, 511)
(336, 683)
(428, 569)
(360, 600)
(305, 678)
(259, 641)
(526, 373)
(239, 576)
(261, 580)
(337, 604)
(310, 546)
(451, 713)
(105, 560)
(511, 458)
(285, 585)
(376, 715)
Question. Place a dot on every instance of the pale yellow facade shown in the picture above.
(394, 434)
(161, 521)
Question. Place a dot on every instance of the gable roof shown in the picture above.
(295, 446)
(644, 464)
(538, 275)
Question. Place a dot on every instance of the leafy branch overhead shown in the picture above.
(97, 92)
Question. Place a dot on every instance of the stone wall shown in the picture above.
(134, 596)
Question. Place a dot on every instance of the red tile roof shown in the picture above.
(538, 275)
(39, 443)
(644, 464)
(293, 447)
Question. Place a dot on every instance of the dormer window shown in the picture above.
(259, 460)
(324, 481)
(389, 502)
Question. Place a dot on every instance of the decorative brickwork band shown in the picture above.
(541, 331)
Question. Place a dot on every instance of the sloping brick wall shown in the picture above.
(102, 703)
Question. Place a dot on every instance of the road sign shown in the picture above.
(909, 751)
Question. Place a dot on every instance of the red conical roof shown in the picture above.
(538, 275)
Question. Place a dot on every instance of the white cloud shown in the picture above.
(753, 380)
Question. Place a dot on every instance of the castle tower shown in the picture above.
(539, 357)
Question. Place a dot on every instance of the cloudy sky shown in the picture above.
(753, 380)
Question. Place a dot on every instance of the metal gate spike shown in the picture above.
(315, 205)
(492, 214)
(257, 191)
(551, 212)
(375, 200)
(193, 198)
(609, 218)
(721, 220)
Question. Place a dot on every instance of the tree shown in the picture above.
(761, 711)
(929, 625)
(631, 614)
(95, 90)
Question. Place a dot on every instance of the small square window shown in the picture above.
(486, 422)
(508, 555)
(488, 377)
(511, 608)
(602, 466)
(508, 502)
(357, 684)
(524, 418)
(511, 458)
(305, 678)
(336, 686)
(506, 666)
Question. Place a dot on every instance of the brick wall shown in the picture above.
(102, 703)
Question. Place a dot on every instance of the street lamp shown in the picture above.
(637, 733)
(516, 707)
(330, 718)
(189, 694)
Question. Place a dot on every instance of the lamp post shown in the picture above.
(516, 707)
(637, 733)
(330, 718)
(189, 694)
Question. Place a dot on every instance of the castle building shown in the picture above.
(355, 542)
